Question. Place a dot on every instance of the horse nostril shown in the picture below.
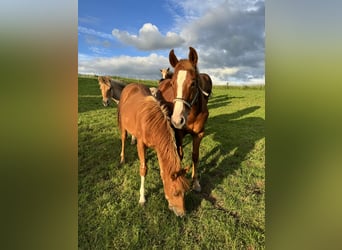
(106, 103)
(182, 120)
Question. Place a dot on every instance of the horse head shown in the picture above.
(164, 72)
(185, 86)
(106, 88)
(175, 189)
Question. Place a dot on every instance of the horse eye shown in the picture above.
(177, 193)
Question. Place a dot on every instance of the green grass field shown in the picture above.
(229, 213)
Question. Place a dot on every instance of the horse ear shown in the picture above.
(193, 57)
(181, 172)
(173, 59)
(168, 69)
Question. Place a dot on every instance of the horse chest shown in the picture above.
(196, 120)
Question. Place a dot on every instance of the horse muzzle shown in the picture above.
(177, 211)
(178, 121)
(105, 103)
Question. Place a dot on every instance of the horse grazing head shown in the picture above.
(175, 189)
(185, 86)
(106, 88)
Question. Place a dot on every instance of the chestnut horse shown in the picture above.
(186, 96)
(140, 114)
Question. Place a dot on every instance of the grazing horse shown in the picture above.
(166, 74)
(110, 89)
(140, 114)
(186, 96)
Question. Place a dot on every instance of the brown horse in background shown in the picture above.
(110, 89)
(186, 96)
(140, 114)
(166, 74)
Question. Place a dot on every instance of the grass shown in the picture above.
(229, 213)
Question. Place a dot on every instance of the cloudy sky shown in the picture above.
(132, 38)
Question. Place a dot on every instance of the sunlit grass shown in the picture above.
(227, 214)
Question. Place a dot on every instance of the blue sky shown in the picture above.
(133, 38)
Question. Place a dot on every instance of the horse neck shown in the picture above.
(200, 104)
(168, 157)
(116, 89)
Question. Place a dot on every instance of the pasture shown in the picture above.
(229, 212)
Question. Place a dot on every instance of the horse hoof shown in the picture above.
(142, 203)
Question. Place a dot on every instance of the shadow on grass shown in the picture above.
(221, 100)
(239, 136)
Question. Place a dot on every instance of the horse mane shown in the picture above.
(104, 80)
(157, 120)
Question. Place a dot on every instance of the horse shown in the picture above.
(186, 96)
(140, 114)
(166, 74)
(110, 89)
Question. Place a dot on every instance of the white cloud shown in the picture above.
(189, 10)
(227, 34)
(149, 38)
(222, 73)
(88, 20)
(230, 35)
(93, 32)
(126, 66)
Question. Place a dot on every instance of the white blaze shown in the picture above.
(178, 106)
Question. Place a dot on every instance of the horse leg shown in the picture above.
(143, 169)
(133, 140)
(123, 139)
(196, 141)
(179, 142)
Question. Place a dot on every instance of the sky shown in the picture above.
(133, 38)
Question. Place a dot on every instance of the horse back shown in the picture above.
(131, 102)
(207, 84)
(134, 91)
